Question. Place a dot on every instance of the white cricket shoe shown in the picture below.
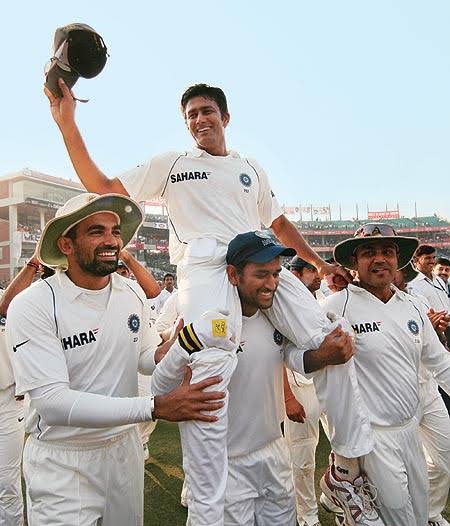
(439, 522)
(146, 452)
(355, 499)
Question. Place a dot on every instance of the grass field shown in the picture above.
(164, 478)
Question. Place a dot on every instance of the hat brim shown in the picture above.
(128, 211)
(269, 253)
(409, 272)
(54, 74)
(344, 251)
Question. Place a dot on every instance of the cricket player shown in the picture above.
(11, 409)
(211, 195)
(259, 487)
(434, 422)
(393, 337)
(303, 437)
(77, 341)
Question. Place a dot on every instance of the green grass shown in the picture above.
(164, 479)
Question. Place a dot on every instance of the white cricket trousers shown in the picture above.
(434, 429)
(11, 445)
(85, 485)
(397, 468)
(202, 285)
(302, 439)
(259, 488)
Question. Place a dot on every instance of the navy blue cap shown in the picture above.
(298, 263)
(256, 247)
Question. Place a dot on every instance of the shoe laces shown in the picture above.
(367, 493)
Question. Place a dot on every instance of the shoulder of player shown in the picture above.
(34, 298)
(131, 287)
(254, 165)
(162, 160)
(335, 300)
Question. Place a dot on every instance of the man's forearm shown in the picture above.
(144, 277)
(289, 236)
(313, 361)
(92, 178)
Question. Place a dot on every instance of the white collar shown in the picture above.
(198, 152)
(72, 291)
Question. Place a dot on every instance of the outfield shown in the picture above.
(164, 478)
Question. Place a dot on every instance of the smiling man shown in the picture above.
(212, 194)
(393, 336)
(77, 341)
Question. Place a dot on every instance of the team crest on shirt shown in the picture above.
(134, 323)
(2, 321)
(245, 180)
(413, 327)
(277, 337)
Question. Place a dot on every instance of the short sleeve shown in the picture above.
(37, 355)
(148, 181)
(268, 206)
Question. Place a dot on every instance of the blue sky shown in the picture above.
(341, 101)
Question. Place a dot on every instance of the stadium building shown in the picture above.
(28, 199)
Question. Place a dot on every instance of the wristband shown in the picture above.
(36, 267)
(152, 407)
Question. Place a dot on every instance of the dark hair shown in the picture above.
(424, 250)
(209, 92)
(168, 275)
(72, 233)
(443, 261)
(47, 272)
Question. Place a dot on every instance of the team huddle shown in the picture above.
(242, 346)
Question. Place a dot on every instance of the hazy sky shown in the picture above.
(341, 101)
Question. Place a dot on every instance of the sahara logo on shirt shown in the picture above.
(368, 326)
(80, 339)
(188, 176)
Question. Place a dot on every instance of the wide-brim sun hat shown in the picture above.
(127, 211)
(344, 250)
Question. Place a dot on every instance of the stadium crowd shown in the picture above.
(247, 355)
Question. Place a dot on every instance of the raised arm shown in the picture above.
(288, 234)
(143, 276)
(63, 113)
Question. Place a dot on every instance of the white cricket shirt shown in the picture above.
(256, 404)
(6, 371)
(391, 340)
(206, 196)
(434, 290)
(161, 299)
(168, 314)
(61, 333)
